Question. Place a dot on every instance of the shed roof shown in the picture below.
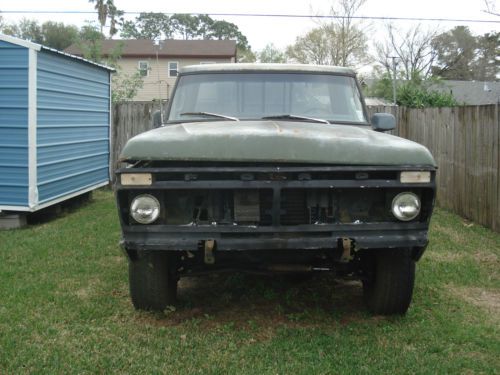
(166, 48)
(39, 47)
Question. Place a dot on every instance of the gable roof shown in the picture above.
(39, 47)
(167, 48)
(464, 92)
(471, 92)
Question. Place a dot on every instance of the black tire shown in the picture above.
(389, 289)
(152, 283)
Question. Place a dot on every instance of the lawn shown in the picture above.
(64, 308)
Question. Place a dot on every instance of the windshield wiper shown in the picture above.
(209, 114)
(295, 117)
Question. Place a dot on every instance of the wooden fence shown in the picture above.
(464, 141)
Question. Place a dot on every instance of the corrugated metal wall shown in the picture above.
(13, 125)
(73, 125)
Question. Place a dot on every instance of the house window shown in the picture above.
(143, 67)
(172, 68)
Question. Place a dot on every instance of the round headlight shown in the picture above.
(406, 206)
(145, 209)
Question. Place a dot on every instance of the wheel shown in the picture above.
(153, 285)
(389, 289)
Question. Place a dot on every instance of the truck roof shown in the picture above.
(281, 68)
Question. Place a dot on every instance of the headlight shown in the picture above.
(406, 206)
(145, 209)
(415, 177)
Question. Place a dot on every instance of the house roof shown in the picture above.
(166, 48)
(39, 47)
(464, 92)
(471, 92)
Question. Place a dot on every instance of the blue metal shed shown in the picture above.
(54, 125)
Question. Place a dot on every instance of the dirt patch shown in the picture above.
(88, 290)
(486, 299)
(447, 256)
(486, 257)
(453, 234)
(262, 304)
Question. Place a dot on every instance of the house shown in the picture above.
(158, 63)
(464, 92)
(54, 125)
(471, 92)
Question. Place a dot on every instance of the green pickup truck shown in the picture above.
(274, 168)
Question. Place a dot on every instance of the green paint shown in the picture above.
(275, 141)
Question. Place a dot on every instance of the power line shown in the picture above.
(378, 18)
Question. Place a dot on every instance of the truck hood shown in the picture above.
(275, 141)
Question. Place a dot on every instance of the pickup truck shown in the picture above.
(274, 168)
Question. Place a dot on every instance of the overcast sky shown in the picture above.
(261, 31)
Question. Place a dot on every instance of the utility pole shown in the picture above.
(394, 79)
(158, 47)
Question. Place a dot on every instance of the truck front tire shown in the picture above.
(152, 283)
(389, 288)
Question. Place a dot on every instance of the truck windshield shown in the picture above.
(251, 96)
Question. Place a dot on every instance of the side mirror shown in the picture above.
(156, 119)
(382, 122)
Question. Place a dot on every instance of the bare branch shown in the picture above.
(412, 48)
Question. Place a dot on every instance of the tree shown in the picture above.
(58, 35)
(316, 47)
(27, 29)
(205, 26)
(271, 54)
(487, 63)
(245, 55)
(338, 42)
(463, 56)
(90, 42)
(412, 48)
(222, 30)
(148, 26)
(491, 8)
(125, 86)
(51, 34)
(106, 9)
(185, 25)
(352, 41)
(455, 53)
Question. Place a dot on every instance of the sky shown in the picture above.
(280, 31)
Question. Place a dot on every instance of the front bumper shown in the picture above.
(363, 236)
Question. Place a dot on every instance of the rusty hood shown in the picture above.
(275, 141)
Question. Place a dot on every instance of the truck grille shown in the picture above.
(271, 196)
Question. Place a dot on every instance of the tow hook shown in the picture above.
(209, 248)
(346, 250)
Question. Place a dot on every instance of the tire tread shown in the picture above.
(392, 289)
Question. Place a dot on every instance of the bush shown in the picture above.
(419, 96)
(414, 93)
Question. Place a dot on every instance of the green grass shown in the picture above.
(64, 308)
